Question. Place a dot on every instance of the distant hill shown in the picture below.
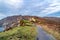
(50, 24)
(11, 19)
(50, 21)
(56, 19)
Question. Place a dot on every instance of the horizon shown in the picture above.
(41, 8)
(31, 15)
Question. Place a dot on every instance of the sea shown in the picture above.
(1, 28)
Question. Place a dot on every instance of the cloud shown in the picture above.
(29, 7)
(46, 7)
(14, 3)
(50, 10)
(1, 14)
(10, 7)
(57, 16)
(11, 14)
(53, 7)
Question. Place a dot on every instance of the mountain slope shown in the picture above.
(15, 20)
(49, 24)
(24, 32)
(53, 19)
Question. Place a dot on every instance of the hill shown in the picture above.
(53, 19)
(26, 31)
(50, 24)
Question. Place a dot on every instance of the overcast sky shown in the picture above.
(29, 7)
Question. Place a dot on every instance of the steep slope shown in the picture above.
(24, 32)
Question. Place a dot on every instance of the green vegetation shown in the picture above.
(25, 23)
(20, 33)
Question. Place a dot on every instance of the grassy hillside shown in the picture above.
(19, 33)
(27, 31)
(51, 25)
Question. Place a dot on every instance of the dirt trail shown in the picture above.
(42, 35)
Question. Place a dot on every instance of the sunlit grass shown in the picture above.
(19, 33)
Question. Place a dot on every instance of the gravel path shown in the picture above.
(42, 35)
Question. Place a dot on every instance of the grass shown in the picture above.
(19, 33)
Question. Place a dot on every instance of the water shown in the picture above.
(1, 29)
